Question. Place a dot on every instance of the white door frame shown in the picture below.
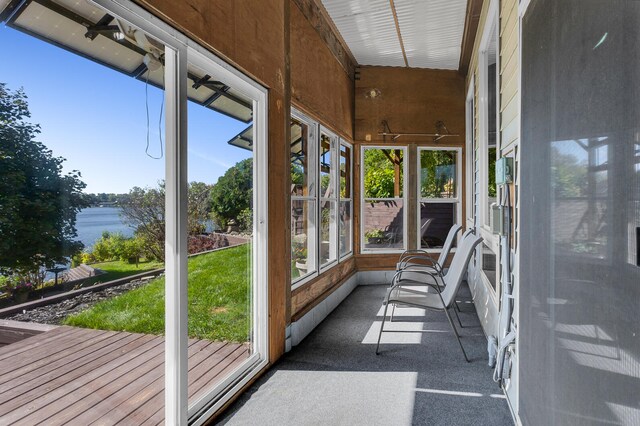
(178, 48)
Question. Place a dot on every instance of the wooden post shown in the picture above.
(397, 161)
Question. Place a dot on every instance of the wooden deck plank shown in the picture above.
(117, 409)
(202, 356)
(149, 401)
(82, 376)
(15, 331)
(80, 399)
(46, 350)
(85, 346)
(116, 394)
(53, 380)
(29, 343)
(158, 417)
(25, 389)
(37, 408)
(217, 373)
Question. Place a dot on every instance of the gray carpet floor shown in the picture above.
(335, 378)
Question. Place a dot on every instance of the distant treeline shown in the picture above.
(104, 199)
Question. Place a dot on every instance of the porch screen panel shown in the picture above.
(580, 213)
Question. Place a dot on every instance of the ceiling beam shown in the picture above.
(471, 21)
(395, 19)
(319, 18)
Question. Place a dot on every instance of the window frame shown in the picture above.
(404, 198)
(316, 129)
(420, 199)
(312, 183)
(350, 199)
(491, 33)
(470, 156)
(334, 178)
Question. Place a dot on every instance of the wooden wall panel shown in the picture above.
(304, 298)
(248, 34)
(320, 85)
(411, 100)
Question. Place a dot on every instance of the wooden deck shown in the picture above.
(78, 376)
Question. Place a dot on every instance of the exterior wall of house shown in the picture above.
(487, 300)
(509, 120)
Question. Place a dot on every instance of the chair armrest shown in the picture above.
(407, 261)
(410, 253)
(397, 278)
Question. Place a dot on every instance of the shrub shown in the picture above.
(131, 250)
(245, 220)
(109, 247)
(18, 285)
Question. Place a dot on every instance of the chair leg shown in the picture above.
(386, 306)
(393, 310)
(455, 303)
(458, 316)
(455, 331)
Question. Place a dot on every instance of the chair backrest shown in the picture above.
(458, 267)
(446, 247)
(468, 231)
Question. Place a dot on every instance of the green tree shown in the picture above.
(379, 174)
(569, 174)
(232, 193)
(38, 202)
(143, 208)
(437, 173)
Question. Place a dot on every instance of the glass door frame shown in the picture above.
(179, 49)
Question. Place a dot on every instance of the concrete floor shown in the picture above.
(335, 378)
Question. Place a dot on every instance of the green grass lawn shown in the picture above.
(118, 269)
(218, 301)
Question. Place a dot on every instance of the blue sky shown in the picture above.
(95, 118)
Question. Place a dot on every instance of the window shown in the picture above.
(328, 198)
(383, 214)
(488, 148)
(470, 152)
(321, 203)
(438, 194)
(346, 205)
(303, 198)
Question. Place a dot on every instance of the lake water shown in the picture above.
(93, 221)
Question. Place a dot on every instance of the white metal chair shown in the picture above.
(422, 258)
(440, 299)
